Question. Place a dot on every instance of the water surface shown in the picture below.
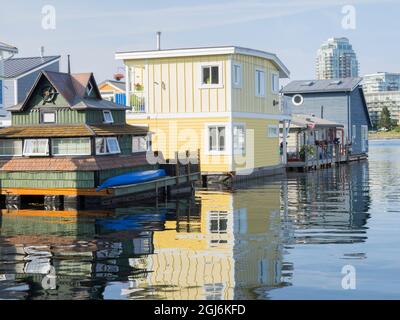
(280, 238)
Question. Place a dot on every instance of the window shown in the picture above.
(275, 83)
(260, 83)
(239, 139)
(89, 88)
(48, 117)
(141, 144)
(297, 100)
(10, 147)
(237, 75)
(353, 134)
(36, 147)
(216, 138)
(107, 146)
(364, 138)
(107, 117)
(211, 76)
(273, 131)
(71, 146)
(218, 222)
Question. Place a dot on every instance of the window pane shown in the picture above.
(221, 134)
(140, 144)
(113, 146)
(107, 117)
(213, 138)
(10, 147)
(101, 146)
(206, 75)
(215, 75)
(36, 147)
(71, 146)
(49, 117)
(238, 139)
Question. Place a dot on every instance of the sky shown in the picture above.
(92, 31)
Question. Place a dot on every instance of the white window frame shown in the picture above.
(228, 141)
(237, 82)
(25, 153)
(275, 127)
(89, 91)
(15, 154)
(71, 154)
(147, 139)
(261, 93)
(107, 139)
(274, 82)
(109, 113)
(237, 151)
(48, 112)
(220, 83)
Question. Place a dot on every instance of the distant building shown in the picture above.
(381, 81)
(340, 100)
(113, 91)
(381, 90)
(336, 59)
(19, 75)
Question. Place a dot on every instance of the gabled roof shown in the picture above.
(205, 51)
(331, 85)
(16, 67)
(120, 85)
(73, 88)
(8, 48)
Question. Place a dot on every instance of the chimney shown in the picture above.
(69, 65)
(158, 40)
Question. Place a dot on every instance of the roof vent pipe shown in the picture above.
(42, 52)
(158, 40)
(69, 65)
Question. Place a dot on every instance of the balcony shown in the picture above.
(137, 102)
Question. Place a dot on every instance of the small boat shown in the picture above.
(132, 178)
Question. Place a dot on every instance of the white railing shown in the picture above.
(137, 102)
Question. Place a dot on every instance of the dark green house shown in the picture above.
(66, 140)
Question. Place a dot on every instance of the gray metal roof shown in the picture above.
(331, 85)
(17, 66)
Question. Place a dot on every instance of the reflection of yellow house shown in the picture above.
(236, 249)
(223, 101)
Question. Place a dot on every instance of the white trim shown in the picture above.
(187, 115)
(228, 139)
(127, 86)
(272, 82)
(193, 52)
(110, 84)
(104, 116)
(274, 126)
(37, 68)
(210, 64)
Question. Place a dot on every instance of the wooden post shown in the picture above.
(177, 167)
(188, 164)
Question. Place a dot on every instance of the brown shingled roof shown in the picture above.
(46, 131)
(51, 131)
(89, 163)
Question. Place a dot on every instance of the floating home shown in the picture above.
(223, 101)
(339, 100)
(313, 142)
(65, 141)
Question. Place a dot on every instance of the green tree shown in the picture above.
(385, 120)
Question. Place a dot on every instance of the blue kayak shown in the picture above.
(132, 178)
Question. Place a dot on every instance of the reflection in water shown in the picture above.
(237, 244)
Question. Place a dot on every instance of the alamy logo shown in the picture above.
(349, 279)
(48, 17)
(349, 19)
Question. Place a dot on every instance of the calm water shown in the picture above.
(274, 239)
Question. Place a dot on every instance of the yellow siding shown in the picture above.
(173, 85)
(171, 135)
(265, 152)
(244, 99)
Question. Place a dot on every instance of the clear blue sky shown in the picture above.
(92, 31)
